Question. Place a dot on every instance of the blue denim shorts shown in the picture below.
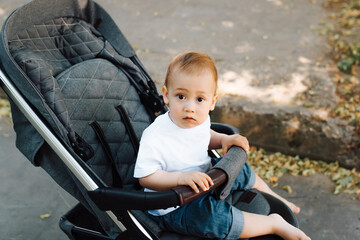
(207, 217)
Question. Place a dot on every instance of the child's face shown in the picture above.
(190, 97)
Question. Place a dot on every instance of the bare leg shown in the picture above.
(262, 186)
(258, 225)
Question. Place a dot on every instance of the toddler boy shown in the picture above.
(173, 151)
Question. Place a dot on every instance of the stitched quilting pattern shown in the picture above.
(60, 42)
(61, 58)
(100, 87)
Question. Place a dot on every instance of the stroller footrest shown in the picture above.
(79, 224)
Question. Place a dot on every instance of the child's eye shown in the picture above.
(180, 96)
(200, 99)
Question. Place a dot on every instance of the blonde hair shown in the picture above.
(191, 62)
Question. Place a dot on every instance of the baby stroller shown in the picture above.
(80, 99)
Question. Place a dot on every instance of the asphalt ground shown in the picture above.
(246, 38)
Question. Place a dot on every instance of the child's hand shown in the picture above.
(234, 140)
(194, 179)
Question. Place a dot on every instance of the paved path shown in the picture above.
(264, 50)
(266, 47)
(26, 192)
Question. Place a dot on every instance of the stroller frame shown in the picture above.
(57, 146)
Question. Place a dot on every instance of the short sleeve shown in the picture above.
(149, 158)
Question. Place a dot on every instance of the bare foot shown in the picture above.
(286, 230)
(262, 186)
(295, 209)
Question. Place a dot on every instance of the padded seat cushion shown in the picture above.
(91, 90)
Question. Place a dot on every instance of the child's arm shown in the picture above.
(220, 140)
(162, 180)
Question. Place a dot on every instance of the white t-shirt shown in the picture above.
(165, 146)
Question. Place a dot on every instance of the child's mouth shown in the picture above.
(189, 119)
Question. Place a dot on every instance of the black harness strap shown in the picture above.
(117, 182)
(80, 146)
(129, 128)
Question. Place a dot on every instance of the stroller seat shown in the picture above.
(80, 100)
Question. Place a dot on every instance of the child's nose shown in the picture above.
(189, 106)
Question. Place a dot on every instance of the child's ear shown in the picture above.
(165, 95)
(213, 103)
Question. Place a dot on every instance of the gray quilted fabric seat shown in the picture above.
(81, 79)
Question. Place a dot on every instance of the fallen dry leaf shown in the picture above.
(287, 188)
(46, 215)
(272, 166)
(5, 110)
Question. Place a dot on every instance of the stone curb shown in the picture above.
(292, 130)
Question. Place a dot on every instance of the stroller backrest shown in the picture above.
(83, 79)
